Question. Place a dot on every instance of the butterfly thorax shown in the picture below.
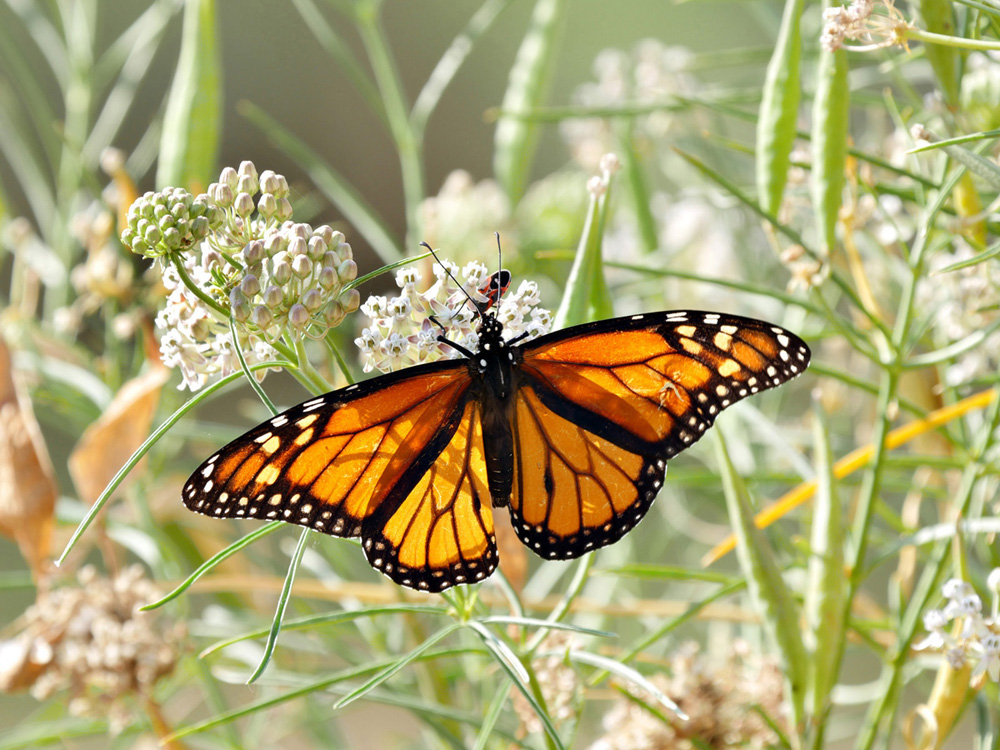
(493, 365)
(494, 359)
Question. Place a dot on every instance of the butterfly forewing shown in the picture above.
(601, 407)
(329, 463)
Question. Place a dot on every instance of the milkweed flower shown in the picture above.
(233, 253)
(402, 331)
(976, 641)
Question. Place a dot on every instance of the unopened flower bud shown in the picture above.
(351, 301)
(261, 317)
(317, 248)
(297, 245)
(274, 244)
(172, 238)
(312, 299)
(326, 233)
(229, 178)
(298, 315)
(248, 177)
(334, 315)
(253, 253)
(250, 285)
(239, 306)
(327, 278)
(152, 233)
(269, 183)
(222, 194)
(273, 296)
(243, 205)
(344, 251)
(302, 266)
(284, 210)
(267, 205)
(347, 271)
(282, 272)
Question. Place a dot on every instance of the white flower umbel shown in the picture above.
(233, 254)
(401, 331)
(977, 641)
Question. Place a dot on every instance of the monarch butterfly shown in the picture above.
(570, 431)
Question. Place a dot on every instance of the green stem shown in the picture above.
(409, 148)
(197, 291)
(317, 383)
(929, 37)
(872, 484)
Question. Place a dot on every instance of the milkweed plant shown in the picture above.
(821, 571)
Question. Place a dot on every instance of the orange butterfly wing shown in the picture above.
(441, 533)
(601, 407)
(345, 463)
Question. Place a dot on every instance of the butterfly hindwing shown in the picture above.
(331, 462)
(441, 533)
(601, 407)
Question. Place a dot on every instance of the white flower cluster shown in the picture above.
(195, 339)
(401, 332)
(978, 641)
(293, 282)
(648, 76)
(964, 302)
(856, 22)
(277, 279)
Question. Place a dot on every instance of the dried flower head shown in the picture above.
(559, 683)
(401, 331)
(719, 699)
(91, 641)
(977, 641)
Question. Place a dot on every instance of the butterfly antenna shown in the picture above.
(475, 305)
(500, 287)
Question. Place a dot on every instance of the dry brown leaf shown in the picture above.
(28, 488)
(109, 442)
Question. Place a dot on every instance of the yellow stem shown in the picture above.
(854, 461)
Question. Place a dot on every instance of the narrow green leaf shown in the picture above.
(452, 59)
(396, 666)
(214, 560)
(533, 622)
(779, 109)
(141, 451)
(827, 588)
(830, 113)
(939, 18)
(517, 674)
(626, 673)
(586, 296)
(279, 612)
(976, 164)
(189, 143)
(516, 140)
(336, 618)
(768, 593)
(991, 252)
(493, 712)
